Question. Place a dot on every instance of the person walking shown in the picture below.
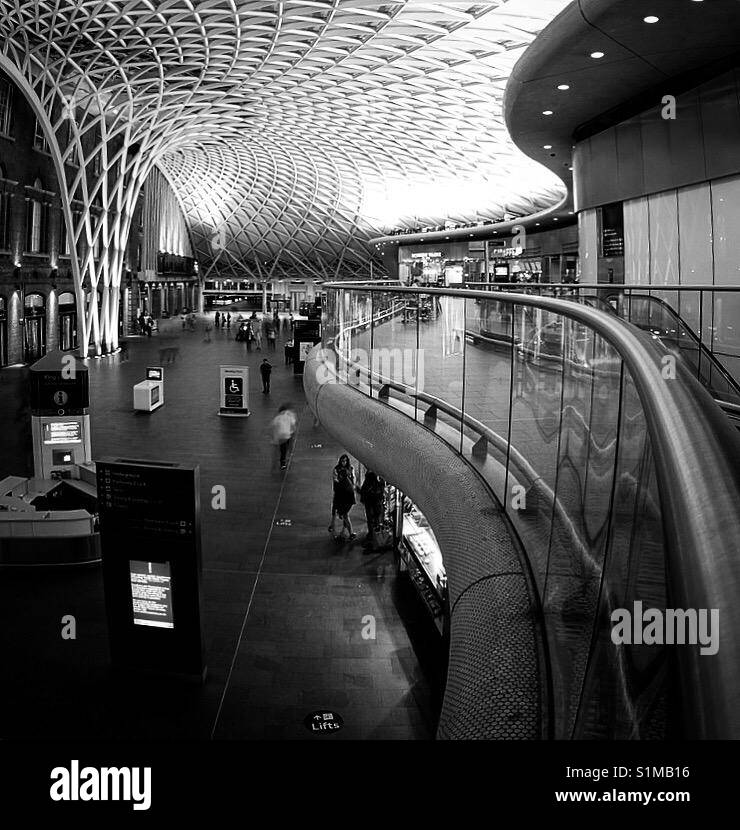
(183, 319)
(228, 320)
(283, 428)
(343, 498)
(218, 320)
(207, 328)
(270, 333)
(249, 333)
(257, 333)
(265, 371)
(288, 352)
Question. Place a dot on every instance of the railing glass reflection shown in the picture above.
(546, 410)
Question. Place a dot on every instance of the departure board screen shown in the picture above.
(62, 432)
(151, 593)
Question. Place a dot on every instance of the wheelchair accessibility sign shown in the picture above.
(234, 391)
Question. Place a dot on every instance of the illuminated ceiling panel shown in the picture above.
(296, 131)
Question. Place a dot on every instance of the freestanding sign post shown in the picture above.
(60, 419)
(149, 394)
(150, 534)
(306, 334)
(234, 394)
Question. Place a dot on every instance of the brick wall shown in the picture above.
(37, 273)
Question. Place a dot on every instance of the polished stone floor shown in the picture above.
(284, 605)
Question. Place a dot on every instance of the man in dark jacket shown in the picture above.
(265, 371)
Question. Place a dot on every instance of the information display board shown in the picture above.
(62, 432)
(151, 593)
(154, 373)
(234, 391)
(150, 535)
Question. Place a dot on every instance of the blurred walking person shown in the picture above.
(283, 428)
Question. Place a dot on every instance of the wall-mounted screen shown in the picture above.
(151, 593)
(62, 432)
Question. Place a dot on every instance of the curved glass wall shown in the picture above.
(547, 412)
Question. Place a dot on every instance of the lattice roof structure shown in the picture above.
(292, 132)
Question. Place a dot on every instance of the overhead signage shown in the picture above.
(504, 252)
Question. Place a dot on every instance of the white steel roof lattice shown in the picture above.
(293, 131)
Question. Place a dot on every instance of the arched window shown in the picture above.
(39, 139)
(96, 156)
(73, 157)
(6, 106)
(36, 220)
(4, 214)
(34, 303)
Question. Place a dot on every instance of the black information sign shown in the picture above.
(612, 230)
(233, 392)
(59, 385)
(306, 334)
(150, 534)
(323, 721)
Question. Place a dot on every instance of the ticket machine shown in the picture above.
(149, 394)
(60, 419)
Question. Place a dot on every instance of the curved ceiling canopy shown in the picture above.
(602, 61)
(295, 131)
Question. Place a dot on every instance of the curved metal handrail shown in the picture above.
(697, 461)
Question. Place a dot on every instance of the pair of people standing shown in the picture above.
(372, 496)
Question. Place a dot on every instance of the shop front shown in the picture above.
(403, 528)
(441, 265)
(542, 256)
(419, 556)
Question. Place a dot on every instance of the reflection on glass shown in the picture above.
(487, 384)
(546, 411)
